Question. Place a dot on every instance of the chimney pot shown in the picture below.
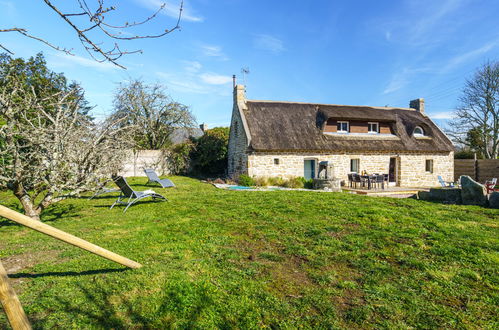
(417, 104)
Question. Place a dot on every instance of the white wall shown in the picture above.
(137, 160)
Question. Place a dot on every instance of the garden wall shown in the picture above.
(480, 170)
(137, 160)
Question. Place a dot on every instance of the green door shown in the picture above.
(309, 169)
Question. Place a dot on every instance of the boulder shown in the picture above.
(445, 195)
(494, 200)
(472, 192)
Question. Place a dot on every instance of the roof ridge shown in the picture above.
(336, 105)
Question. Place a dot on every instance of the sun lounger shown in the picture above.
(153, 177)
(129, 196)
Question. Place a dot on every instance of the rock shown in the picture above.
(472, 192)
(494, 200)
(446, 195)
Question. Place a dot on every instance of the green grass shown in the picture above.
(237, 259)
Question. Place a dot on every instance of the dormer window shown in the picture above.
(418, 131)
(342, 127)
(373, 127)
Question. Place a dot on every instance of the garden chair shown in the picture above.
(356, 179)
(350, 179)
(153, 177)
(129, 196)
(104, 190)
(380, 180)
(445, 184)
(490, 185)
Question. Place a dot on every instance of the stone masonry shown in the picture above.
(238, 140)
(410, 167)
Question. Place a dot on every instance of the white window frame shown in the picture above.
(373, 123)
(418, 134)
(342, 122)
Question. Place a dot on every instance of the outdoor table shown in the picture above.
(369, 179)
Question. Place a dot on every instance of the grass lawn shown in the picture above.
(237, 259)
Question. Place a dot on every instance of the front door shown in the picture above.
(309, 169)
(392, 171)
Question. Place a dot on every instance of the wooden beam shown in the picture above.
(65, 237)
(11, 304)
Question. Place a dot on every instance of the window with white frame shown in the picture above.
(373, 127)
(418, 131)
(342, 127)
(354, 165)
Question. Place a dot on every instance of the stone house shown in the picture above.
(289, 139)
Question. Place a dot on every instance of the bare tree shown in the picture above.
(49, 150)
(476, 122)
(88, 17)
(152, 112)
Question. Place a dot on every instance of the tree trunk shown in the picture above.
(29, 207)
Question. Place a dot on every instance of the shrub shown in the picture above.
(277, 181)
(295, 182)
(261, 181)
(245, 180)
(209, 155)
(307, 184)
(179, 158)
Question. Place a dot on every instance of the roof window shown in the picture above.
(418, 131)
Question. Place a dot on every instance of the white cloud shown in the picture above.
(205, 83)
(424, 29)
(398, 81)
(269, 43)
(455, 61)
(214, 51)
(61, 60)
(215, 79)
(171, 10)
(443, 115)
(402, 78)
(192, 66)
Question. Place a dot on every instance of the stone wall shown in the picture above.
(410, 167)
(136, 161)
(238, 142)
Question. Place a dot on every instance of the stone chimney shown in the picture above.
(203, 127)
(417, 104)
(239, 94)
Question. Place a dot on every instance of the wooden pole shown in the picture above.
(11, 303)
(65, 237)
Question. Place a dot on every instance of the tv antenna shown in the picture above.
(245, 71)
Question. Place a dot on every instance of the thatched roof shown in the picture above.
(286, 126)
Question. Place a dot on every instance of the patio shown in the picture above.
(388, 191)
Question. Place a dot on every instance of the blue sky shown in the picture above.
(341, 52)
